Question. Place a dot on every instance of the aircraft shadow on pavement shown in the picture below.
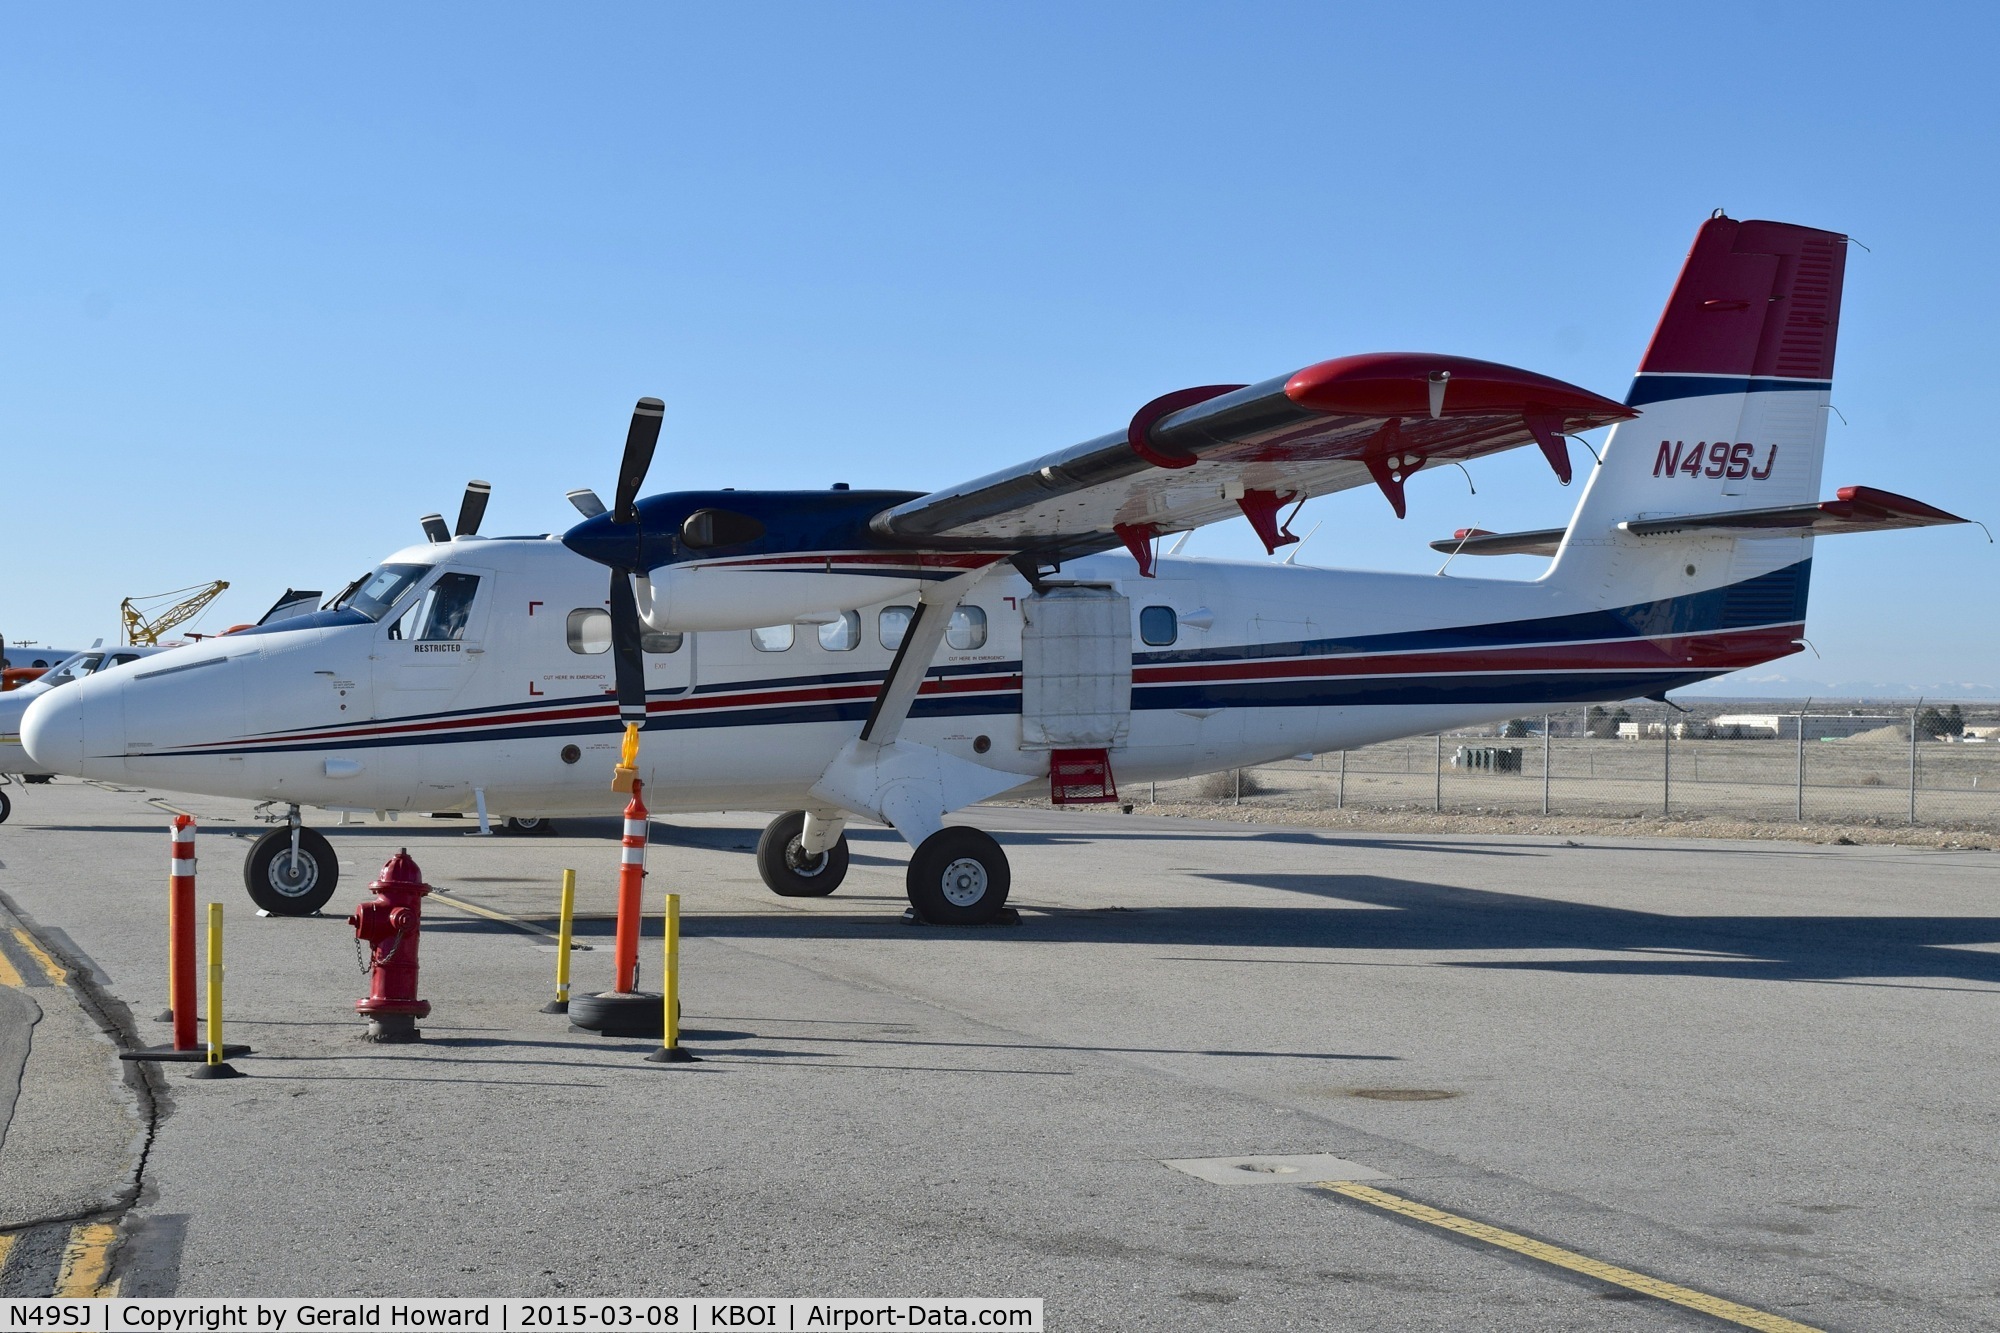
(1433, 918)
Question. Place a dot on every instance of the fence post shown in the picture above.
(1546, 752)
(1667, 768)
(1340, 791)
(1437, 791)
(1913, 762)
(1802, 767)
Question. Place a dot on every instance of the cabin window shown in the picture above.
(589, 631)
(440, 614)
(658, 643)
(842, 635)
(893, 624)
(773, 639)
(719, 527)
(967, 631)
(1159, 626)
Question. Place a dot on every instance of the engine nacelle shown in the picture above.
(684, 598)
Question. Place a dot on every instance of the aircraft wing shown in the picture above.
(1211, 453)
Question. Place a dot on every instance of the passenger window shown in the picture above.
(589, 631)
(893, 624)
(1159, 626)
(774, 639)
(842, 635)
(719, 527)
(967, 631)
(658, 643)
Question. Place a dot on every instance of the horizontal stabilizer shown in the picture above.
(1858, 509)
(1478, 541)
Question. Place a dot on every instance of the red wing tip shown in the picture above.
(1410, 384)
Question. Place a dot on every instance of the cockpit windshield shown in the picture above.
(374, 595)
(71, 668)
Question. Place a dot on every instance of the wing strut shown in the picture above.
(882, 777)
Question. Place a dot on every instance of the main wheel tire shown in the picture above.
(959, 877)
(37, 778)
(529, 826)
(6, 807)
(787, 870)
(283, 888)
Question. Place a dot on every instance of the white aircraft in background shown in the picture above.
(14, 760)
(893, 656)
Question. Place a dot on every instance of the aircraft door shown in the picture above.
(426, 655)
(1076, 669)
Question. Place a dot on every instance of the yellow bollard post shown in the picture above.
(215, 1067)
(560, 1005)
(671, 1051)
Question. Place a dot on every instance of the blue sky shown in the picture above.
(282, 278)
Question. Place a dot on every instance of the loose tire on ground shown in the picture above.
(959, 877)
(786, 868)
(286, 890)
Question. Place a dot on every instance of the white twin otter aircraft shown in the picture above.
(894, 657)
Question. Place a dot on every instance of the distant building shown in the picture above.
(1785, 726)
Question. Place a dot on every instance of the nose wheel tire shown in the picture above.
(284, 887)
(532, 825)
(958, 877)
(787, 870)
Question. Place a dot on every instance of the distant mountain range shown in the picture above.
(1753, 685)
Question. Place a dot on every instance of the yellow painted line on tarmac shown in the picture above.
(8, 976)
(87, 1260)
(6, 1244)
(1714, 1306)
(57, 973)
(491, 915)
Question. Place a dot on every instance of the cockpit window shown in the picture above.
(71, 668)
(440, 614)
(379, 592)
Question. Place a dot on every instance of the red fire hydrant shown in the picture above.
(389, 924)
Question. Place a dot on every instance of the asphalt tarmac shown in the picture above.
(1621, 1085)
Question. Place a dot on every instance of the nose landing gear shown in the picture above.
(291, 871)
(792, 872)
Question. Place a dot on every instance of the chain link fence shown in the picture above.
(1935, 766)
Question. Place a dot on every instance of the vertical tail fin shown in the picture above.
(1733, 393)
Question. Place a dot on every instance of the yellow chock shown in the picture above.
(627, 771)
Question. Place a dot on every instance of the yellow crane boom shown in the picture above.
(145, 628)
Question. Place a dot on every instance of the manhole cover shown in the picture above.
(1402, 1094)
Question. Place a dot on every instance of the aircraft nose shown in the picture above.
(52, 731)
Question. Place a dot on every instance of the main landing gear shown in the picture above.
(291, 871)
(957, 876)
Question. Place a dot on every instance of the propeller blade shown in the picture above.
(586, 501)
(434, 527)
(639, 444)
(472, 508)
(628, 661)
